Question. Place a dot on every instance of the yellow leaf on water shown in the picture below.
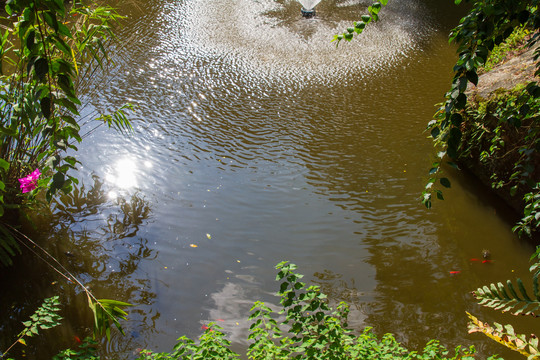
(193, 245)
(208, 236)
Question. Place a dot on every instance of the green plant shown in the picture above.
(506, 298)
(44, 318)
(45, 53)
(359, 26)
(491, 30)
(503, 134)
(500, 52)
(309, 329)
(487, 25)
(86, 351)
(105, 311)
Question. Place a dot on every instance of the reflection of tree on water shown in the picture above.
(97, 240)
(339, 289)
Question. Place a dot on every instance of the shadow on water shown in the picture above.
(97, 240)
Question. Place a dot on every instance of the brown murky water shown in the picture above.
(256, 140)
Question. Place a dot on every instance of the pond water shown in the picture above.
(256, 140)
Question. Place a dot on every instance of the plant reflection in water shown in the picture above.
(96, 238)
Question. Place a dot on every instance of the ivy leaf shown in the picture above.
(472, 76)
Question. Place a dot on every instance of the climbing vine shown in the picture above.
(488, 24)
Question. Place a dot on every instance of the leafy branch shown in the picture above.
(45, 317)
(487, 25)
(505, 335)
(498, 298)
(106, 312)
(359, 26)
(503, 298)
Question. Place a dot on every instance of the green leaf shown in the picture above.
(41, 68)
(4, 164)
(30, 39)
(45, 105)
(58, 180)
(445, 182)
(50, 19)
(360, 25)
(456, 119)
(472, 76)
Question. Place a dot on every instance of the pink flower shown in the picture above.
(29, 182)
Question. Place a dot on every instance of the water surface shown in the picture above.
(256, 140)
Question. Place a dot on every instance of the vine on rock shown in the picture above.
(488, 24)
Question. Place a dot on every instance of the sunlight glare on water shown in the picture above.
(123, 174)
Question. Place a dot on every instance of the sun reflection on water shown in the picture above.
(122, 175)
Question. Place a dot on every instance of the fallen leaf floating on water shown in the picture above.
(454, 272)
(193, 245)
(209, 236)
(486, 261)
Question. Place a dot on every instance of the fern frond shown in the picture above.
(506, 336)
(45, 317)
(506, 298)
